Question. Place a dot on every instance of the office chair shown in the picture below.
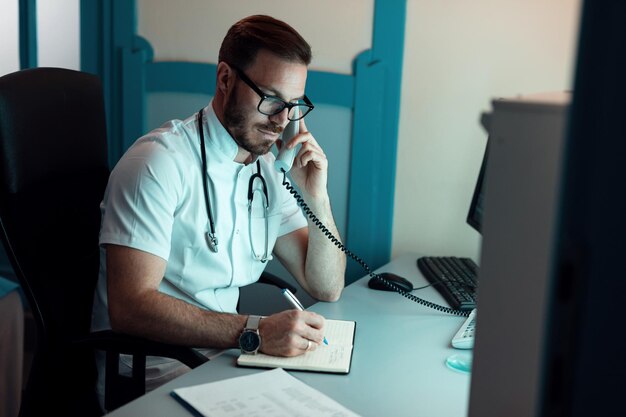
(53, 172)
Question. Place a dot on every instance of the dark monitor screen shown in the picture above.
(475, 214)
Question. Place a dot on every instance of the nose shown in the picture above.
(280, 118)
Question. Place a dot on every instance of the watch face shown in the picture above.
(249, 341)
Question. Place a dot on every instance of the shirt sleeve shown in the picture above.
(140, 200)
(292, 216)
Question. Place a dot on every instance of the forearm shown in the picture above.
(175, 321)
(325, 263)
(137, 307)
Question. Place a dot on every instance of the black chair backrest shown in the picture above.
(53, 172)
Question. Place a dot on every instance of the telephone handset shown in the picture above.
(284, 159)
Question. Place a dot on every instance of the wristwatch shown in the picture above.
(250, 339)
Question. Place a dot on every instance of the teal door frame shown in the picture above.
(27, 33)
(111, 49)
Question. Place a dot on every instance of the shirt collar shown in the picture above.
(218, 137)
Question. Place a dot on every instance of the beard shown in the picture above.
(240, 126)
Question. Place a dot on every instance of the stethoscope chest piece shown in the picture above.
(211, 240)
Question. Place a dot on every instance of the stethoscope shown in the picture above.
(211, 236)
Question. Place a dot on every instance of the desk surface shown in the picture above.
(398, 364)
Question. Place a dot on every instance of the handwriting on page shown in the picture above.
(337, 355)
(322, 356)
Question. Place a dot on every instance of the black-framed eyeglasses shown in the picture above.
(271, 105)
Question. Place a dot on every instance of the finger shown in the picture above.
(299, 138)
(309, 143)
(313, 149)
(302, 126)
(309, 345)
(314, 330)
(309, 326)
(303, 138)
(314, 345)
(317, 158)
(313, 319)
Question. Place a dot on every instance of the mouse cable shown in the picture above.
(427, 285)
(366, 267)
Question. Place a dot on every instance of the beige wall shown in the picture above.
(336, 38)
(458, 56)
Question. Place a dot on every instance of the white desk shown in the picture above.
(398, 365)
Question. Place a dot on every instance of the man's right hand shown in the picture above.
(291, 332)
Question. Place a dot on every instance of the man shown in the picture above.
(161, 277)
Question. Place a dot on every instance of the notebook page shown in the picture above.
(334, 357)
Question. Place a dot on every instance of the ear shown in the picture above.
(225, 77)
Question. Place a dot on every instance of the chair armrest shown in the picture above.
(271, 279)
(108, 340)
(120, 389)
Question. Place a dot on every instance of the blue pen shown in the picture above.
(296, 303)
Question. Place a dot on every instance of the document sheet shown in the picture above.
(335, 357)
(269, 393)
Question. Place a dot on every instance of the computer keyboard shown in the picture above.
(464, 337)
(454, 278)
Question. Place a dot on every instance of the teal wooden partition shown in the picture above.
(28, 33)
(111, 48)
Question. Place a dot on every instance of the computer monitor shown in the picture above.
(475, 214)
(522, 187)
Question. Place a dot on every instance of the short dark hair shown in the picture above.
(248, 36)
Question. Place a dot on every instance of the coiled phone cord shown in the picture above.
(360, 261)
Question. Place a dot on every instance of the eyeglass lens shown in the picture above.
(273, 105)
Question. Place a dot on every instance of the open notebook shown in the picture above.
(335, 357)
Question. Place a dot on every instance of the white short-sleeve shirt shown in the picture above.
(154, 202)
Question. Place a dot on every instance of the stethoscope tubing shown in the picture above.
(211, 235)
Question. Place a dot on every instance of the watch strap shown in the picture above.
(253, 322)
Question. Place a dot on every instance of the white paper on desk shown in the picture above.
(269, 393)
